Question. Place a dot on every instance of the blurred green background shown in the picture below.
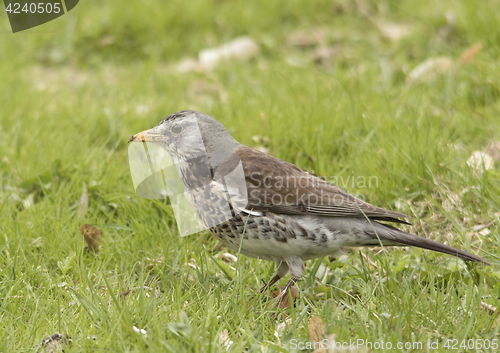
(406, 92)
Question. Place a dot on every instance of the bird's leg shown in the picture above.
(280, 273)
(297, 270)
(272, 281)
(284, 295)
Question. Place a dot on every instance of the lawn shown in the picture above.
(389, 99)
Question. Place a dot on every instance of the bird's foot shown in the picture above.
(287, 295)
(266, 286)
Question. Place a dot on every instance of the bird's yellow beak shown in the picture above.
(147, 136)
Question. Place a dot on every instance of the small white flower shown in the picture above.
(141, 331)
(224, 339)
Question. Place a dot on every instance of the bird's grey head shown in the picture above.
(188, 134)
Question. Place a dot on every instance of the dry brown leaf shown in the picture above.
(92, 236)
(470, 53)
(317, 329)
(84, 203)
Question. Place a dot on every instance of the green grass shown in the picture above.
(73, 91)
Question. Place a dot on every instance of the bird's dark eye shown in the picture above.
(176, 129)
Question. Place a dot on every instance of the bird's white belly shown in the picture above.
(277, 237)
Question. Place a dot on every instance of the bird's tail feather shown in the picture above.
(393, 235)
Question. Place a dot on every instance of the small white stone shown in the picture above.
(242, 48)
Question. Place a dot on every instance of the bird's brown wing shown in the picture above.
(280, 187)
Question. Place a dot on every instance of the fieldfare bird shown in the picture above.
(283, 214)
